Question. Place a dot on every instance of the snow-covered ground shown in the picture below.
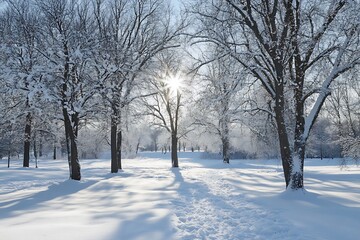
(203, 199)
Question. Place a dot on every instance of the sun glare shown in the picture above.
(174, 82)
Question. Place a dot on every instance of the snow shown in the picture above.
(203, 199)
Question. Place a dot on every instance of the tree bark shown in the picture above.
(71, 129)
(118, 148)
(224, 122)
(67, 140)
(75, 165)
(34, 147)
(27, 140)
(40, 146)
(174, 156)
(297, 167)
(9, 154)
(225, 149)
(285, 151)
(35, 151)
(114, 162)
(54, 152)
(284, 143)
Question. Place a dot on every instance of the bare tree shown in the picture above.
(68, 47)
(22, 61)
(344, 112)
(165, 106)
(282, 43)
(132, 34)
(220, 99)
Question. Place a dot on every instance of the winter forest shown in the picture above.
(212, 108)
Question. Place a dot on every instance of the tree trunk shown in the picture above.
(54, 151)
(9, 154)
(75, 165)
(35, 151)
(137, 146)
(114, 162)
(67, 140)
(174, 156)
(224, 123)
(71, 129)
(285, 150)
(297, 167)
(118, 148)
(225, 149)
(34, 147)
(40, 146)
(27, 140)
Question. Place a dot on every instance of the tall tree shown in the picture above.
(282, 43)
(164, 107)
(132, 33)
(68, 46)
(220, 98)
(22, 63)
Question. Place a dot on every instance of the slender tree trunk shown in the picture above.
(118, 148)
(34, 147)
(27, 139)
(40, 146)
(9, 154)
(114, 162)
(174, 156)
(67, 141)
(35, 150)
(137, 146)
(54, 151)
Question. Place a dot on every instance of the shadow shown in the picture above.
(59, 190)
(145, 226)
(200, 200)
(178, 176)
(311, 211)
(209, 209)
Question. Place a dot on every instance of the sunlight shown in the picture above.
(174, 82)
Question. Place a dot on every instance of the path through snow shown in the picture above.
(209, 207)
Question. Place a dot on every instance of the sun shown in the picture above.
(174, 82)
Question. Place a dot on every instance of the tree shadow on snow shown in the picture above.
(30, 203)
(144, 226)
(312, 211)
(205, 213)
